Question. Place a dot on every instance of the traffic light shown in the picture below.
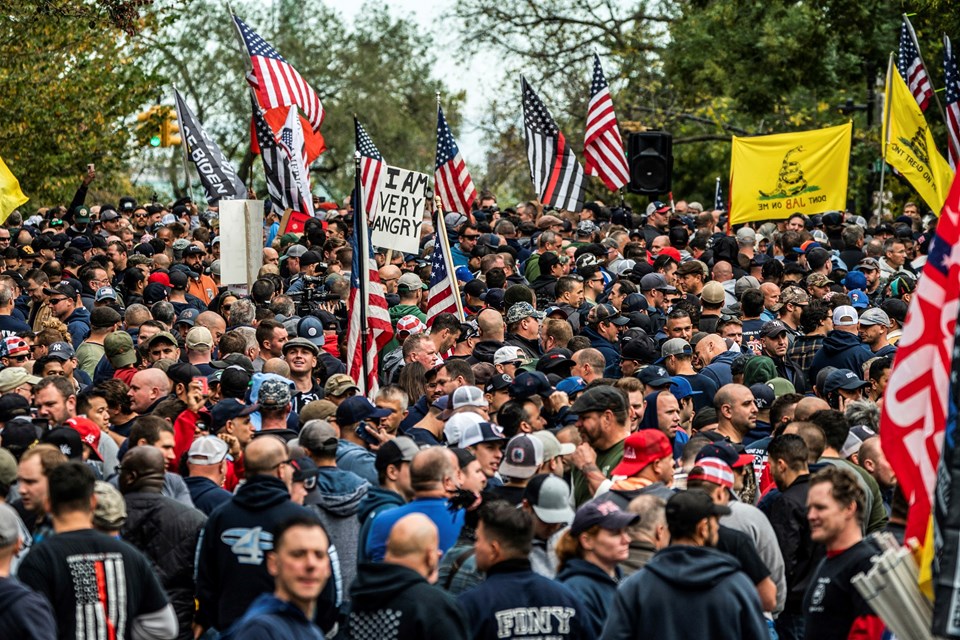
(151, 129)
(169, 129)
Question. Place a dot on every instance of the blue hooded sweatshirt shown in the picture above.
(594, 588)
(270, 618)
(651, 420)
(841, 349)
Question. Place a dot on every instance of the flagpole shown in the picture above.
(361, 298)
(440, 232)
(952, 143)
(913, 36)
(183, 142)
(885, 138)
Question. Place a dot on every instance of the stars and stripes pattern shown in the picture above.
(452, 180)
(292, 143)
(373, 171)
(951, 74)
(442, 296)
(603, 154)
(275, 80)
(277, 167)
(369, 328)
(557, 175)
(718, 203)
(911, 68)
(915, 400)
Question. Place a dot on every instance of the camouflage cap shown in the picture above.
(521, 310)
(817, 280)
(792, 295)
(274, 393)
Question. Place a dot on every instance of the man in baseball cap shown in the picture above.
(206, 462)
(647, 466)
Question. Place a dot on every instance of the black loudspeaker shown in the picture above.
(650, 154)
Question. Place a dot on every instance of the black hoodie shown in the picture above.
(231, 568)
(390, 601)
(718, 600)
(24, 613)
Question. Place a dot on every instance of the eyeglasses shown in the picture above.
(226, 307)
(17, 358)
(54, 301)
(471, 237)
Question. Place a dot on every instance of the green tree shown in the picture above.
(68, 83)
(380, 69)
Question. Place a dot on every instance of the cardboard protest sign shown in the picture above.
(400, 211)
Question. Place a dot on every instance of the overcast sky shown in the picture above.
(477, 79)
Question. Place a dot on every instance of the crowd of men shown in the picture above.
(644, 426)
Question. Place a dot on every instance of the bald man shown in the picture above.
(723, 273)
(390, 277)
(715, 359)
(231, 568)
(807, 407)
(147, 389)
(395, 598)
(490, 324)
(214, 322)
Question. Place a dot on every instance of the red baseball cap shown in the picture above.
(159, 276)
(89, 433)
(641, 449)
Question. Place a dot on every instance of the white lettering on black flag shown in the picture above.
(217, 175)
(401, 204)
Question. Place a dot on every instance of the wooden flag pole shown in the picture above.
(885, 138)
(441, 237)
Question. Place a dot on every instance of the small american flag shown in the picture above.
(442, 296)
(911, 68)
(951, 74)
(603, 147)
(373, 170)
(718, 203)
(277, 167)
(369, 329)
(291, 141)
(556, 174)
(453, 182)
(275, 80)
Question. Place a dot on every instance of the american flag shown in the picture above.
(915, 401)
(556, 174)
(718, 203)
(291, 141)
(369, 328)
(373, 170)
(453, 182)
(277, 167)
(951, 74)
(443, 293)
(275, 80)
(911, 68)
(603, 148)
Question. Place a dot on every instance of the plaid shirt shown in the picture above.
(802, 351)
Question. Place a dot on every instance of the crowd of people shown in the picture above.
(645, 425)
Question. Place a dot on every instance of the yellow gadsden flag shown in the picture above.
(908, 145)
(773, 177)
(10, 195)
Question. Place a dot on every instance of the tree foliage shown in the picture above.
(378, 69)
(704, 70)
(68, 83)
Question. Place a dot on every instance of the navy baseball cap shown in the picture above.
(356, 409)
(654, 376)
(529, 384)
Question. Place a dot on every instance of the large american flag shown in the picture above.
(557, 175)
(951, 74)
(911, 68)
(275, 80)
(453, 182)
(603, 154)
(443, 293)
(278, 168)
(915, 401)
(373, 170)
(369, 328)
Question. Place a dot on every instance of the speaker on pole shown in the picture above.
(650, 154)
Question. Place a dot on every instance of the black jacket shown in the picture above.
(166, 531)
(687, 592)
(484, 351)
(530, 347)
(545, 287)
(787, 512)
(843, 350)
(390, 601)
(24, 613)
(232, 570)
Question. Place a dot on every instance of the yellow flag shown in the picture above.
(10, 195)
(908, 144)
(773, 177)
